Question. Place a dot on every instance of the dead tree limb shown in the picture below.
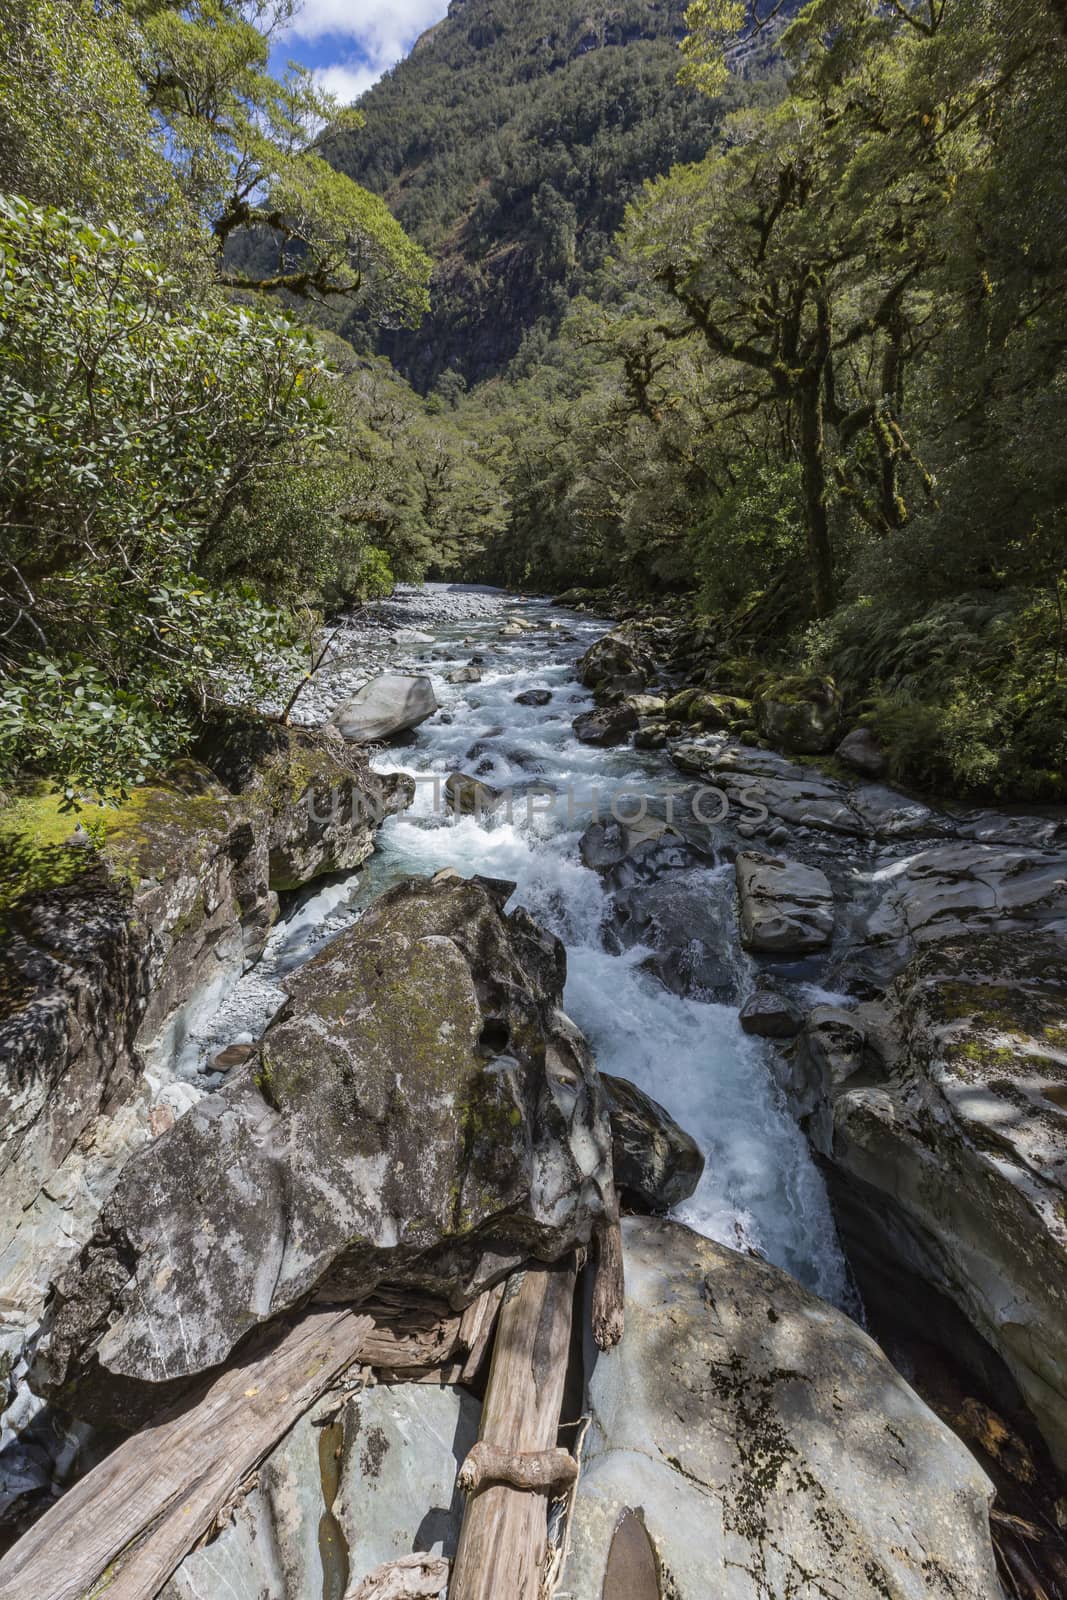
(554, 1470)
(503, 1544)
(609, 1287)
(137, 1514)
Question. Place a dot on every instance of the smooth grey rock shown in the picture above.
(389, 704)
(465, 675)
(785, 908)
(607, 725)
(861, 751)
(422, 1112)
(769, 1016)
(772, 1450)
(656, 1162)
(393, 1455)
(954, 1150)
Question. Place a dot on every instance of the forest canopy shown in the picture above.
(757, 312)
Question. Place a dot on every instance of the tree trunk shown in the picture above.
(817, 522)
(504, 1541)
(136, 1515)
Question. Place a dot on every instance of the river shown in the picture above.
(760, 1190)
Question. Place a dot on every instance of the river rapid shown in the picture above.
(760, 1190)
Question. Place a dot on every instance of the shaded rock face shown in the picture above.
(861, 751)
(606, 726)
(332, 1503)
(947, 1127)
(785, 907)
(620, 658)
(469, 796)
(769, 1016)
(800, 715)
(771, 1448)
(686, 930)
(422, 1112)
(389, 704)
(656, 1163)
(534, 697)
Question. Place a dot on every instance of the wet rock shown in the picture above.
(465, 675)
(950, 1149)
(769, 1016)
(771, 1448)
(651, 736)
(534, 697)
(331, 1503)
(388, 705)
(656, 1163)
(798, 714)
(469, 796)
(607, 725)
(422, 1112)
(861, 751)
(785, 908)
(620, 656)
(685, 927)
(638, 851)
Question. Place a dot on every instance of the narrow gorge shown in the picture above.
(322, 1041)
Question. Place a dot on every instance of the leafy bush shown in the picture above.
(969, 697)
(131, 424)
(749, 534)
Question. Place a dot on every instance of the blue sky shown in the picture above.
(350, 43)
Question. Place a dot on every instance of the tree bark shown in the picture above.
(504, 1541)
(816, 518)
(137, 1514)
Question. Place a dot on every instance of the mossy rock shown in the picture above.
(800, 714)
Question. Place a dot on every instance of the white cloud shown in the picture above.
(347, 80)
(381, 27)
(380, 31)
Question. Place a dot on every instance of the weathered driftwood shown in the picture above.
(504, 1539)
(476, 1329)
(532, 1469)
(609, 1287)
(415, 1577)
(136, 1515)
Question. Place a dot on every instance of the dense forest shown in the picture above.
(775, 322)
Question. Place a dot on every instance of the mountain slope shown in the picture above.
(509, 143)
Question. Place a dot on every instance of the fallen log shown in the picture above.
(136, 1515)
(609, 1285)
(503, 1544)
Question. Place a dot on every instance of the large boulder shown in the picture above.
(469, 796)
(799, 714)
(947, 1135)
(685, 928)
(111, 944)
(785, 907)
(766, 1445)
(389, 704)
(607, 725)
(657, 1164)
(862, 751)
(621, 657)
(423, 1111)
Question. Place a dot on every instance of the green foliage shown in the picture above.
(969, 696)
(748, 534)
(130, 423)
(75, 128)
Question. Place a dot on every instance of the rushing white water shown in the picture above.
(760, 1188)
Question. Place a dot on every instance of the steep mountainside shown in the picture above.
(509, 143)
